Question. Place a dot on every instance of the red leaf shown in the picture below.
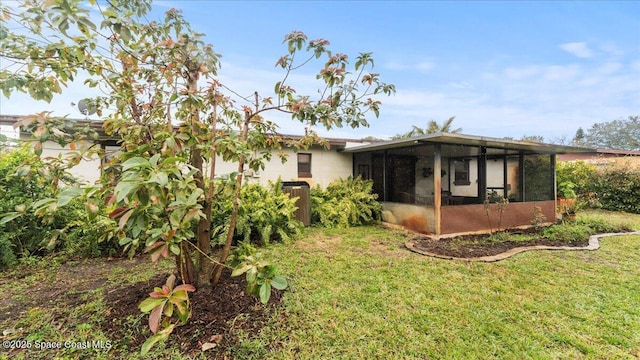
(165, 251)
(185, 287)
(157, 249)
(154, 319)
(151, 247)
(110, 200)
(156, 295)
(117, 212)
(124, 219)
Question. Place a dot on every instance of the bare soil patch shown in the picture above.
(218, 315)
(479, 245)
(64, 287)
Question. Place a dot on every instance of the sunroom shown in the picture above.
(451, 183)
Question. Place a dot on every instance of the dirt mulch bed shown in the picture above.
(218, 315)
(475, 246)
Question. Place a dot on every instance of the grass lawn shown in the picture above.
(358, 294)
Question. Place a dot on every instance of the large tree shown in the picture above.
(171, 114)
(621, 134)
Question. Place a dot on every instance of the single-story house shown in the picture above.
(316, 165)
(601, 158)
(435, 183)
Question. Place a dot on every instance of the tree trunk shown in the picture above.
(217, 272)
(205, 242)
(184, 263)
(202, 267)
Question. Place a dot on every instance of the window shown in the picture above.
(461, 168)
(304, 165)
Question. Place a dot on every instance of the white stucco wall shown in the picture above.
(424, 185)
(326, 166)
(88, 170)
(495, 175)
(470, 190)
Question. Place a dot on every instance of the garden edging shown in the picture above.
(594, 244)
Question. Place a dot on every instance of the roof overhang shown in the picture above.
(338, 143)
(472, 141)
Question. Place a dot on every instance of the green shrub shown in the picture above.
(618, 189)
(345, 203)
(22, 183)
(26, 180)
(601, 226)
(577, 173)
(265, 214)
(91, 238)
(7, 253)
(568, 233)
(615, 188)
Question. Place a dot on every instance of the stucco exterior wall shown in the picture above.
(88, 170)
(495, 175)
(470, 190)
(326, 166)
(415, 217)
(424, 185)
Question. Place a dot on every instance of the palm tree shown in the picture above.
(432, 128)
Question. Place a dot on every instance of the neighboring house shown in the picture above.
(603, 157)
(316, 165)
(438, 183)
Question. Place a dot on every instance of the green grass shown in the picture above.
(358, 294)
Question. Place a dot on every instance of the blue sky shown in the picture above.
(503, 68)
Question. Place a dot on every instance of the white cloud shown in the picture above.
(420, 66)
(415, 98)
(461, 85)
(519, 73)
(579, 49)
(551, 100)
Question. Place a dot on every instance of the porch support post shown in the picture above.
(385, 192)
(437, 186)
(482, 174)
(554, 188)
(521, 179)
(505, 178)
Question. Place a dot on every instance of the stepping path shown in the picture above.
(594, 244)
